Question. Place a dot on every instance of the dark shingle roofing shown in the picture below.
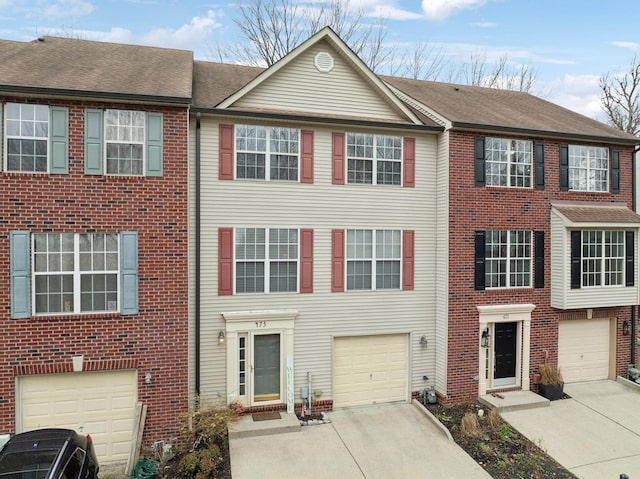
(477, 108)
(214, 82)
(602, 213)
(72, 66)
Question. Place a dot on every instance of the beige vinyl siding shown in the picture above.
(323, 207)
(302, 88)
(442, 263)
(562, 296)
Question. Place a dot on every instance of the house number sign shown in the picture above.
(261, 324)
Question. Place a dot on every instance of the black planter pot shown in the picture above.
(551, 391)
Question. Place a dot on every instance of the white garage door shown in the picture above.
(101, 404)
(583, 350)
(369, 370)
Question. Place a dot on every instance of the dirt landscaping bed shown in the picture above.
(501, 450)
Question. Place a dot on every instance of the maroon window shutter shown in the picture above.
(337, 152)
(407, 260)
(225, 261)
(409, 162)
(225, 151)
(306, 169)
(306, 261)
(337, 261)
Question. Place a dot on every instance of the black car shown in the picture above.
(49, 454)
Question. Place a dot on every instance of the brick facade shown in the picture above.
(490, 208)
(155, 339)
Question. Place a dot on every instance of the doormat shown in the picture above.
(265, 416)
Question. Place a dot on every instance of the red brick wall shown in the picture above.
(489, 208)
(155, 340)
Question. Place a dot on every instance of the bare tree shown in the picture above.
(275, 27)
(621, 98)
(502, 74)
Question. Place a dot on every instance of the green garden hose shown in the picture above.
(145, 469)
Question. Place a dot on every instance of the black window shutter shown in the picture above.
(576, 259)
(564, 167)
(539, 165)
(479, 162)
(479, 274)
(630, 270)
(615, 172)
(539, 259)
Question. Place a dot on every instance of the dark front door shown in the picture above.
(505, 350)
(266, 376)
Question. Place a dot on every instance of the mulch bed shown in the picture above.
(501, 451)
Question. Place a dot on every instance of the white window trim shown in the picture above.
(267, 262)
(5, 149)
(508, 260)
(588, 169)
(374, 160)
(267, 153)
(77, 273)
(509, 163)
(602, 261)
(373, 259)
(105, 141)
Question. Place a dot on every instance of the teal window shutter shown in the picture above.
(20, 275)
(59, 140)
(129, 272)
(154, 144)
(93, 142)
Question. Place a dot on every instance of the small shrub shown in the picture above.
(200, 464)
(550, 374)
(506, 433)
(469, 425)
(494, 421)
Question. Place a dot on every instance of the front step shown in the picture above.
(514, 401)
(245, 426)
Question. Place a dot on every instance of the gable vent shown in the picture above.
(323, 62)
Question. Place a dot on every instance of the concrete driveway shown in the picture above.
(595, 434)
(384, 441)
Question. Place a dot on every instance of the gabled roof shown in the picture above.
(66, 66)
(478, 108)
(256, 78)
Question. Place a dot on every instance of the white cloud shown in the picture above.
(392, 13)
(629, 45)
(441, 9)
(67, 9)
(189, 36)
(580, 93)
(484, 24)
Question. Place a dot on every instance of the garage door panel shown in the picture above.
(98, 403)
(370, 369)
(583, 350)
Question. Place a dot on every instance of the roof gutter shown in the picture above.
(548, 134)
(315, 119)
(43, 91)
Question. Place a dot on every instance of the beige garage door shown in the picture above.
(98, 403)
(369, 370)
(583, 350)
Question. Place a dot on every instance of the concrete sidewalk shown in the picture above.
(595, 434)
(385, 441)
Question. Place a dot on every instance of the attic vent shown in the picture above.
(323, 62)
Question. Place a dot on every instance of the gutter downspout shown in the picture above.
(197, 271)
(634, 207)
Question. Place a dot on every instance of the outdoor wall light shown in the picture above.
(423, 341)
(485, 340)
(220, 336)
(625, 328)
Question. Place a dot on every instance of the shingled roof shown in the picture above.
(86, 68)
(472, 107)
(614, 213)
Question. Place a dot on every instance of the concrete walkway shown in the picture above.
(595, 434)
(386, 441)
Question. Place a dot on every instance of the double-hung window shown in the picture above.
(266, 260)
(36, 138)
(124, 138)
(508, 162)
(373, 259)
(374, 159)
(603, 258)
(75, 273)
(267, 153)
(588, 168)
(508, 258)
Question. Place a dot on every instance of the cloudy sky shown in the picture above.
(569, 43)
